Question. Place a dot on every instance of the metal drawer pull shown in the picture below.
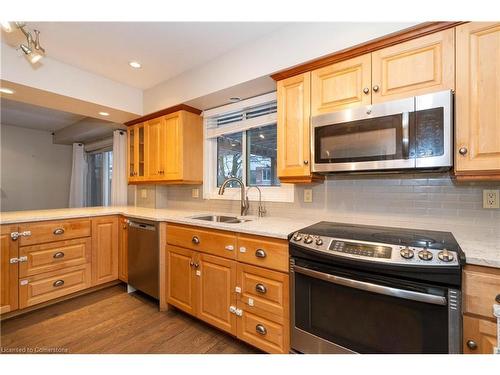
(58, 255)
(195, 240)
(260, 288)
(373, 288)
(16, 235)
(229, 247)
(58, 283)
(260, 253)
(471, 344)
(58, 231)
(260, 329)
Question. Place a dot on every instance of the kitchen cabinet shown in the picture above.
(477, 98)
(293, 129)
(481, 290)
(9, 249)
(416, 67)
(173, 145)
(342, 85)
(104, 249)
(180, 278)
(123, 249)
(136, 152)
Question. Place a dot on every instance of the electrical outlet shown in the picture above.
(491, 198)
(308, 195)
(195, 193)
(144, 193)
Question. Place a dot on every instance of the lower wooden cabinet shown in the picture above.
(104, 249)
(479, 336)
(180, 279)
(123, 249)
(9, 272)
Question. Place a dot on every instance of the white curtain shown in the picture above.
(119, 179)
(78, 187)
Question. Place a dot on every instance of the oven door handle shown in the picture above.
(375, 288)
(405, 142)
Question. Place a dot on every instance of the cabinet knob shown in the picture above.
(58, 283)
(195, 240)
(471, 344)
(462, 150)
(58, 255)
(366, 90)
(306, 162)
(376, 88)
(58, 231)
(260, 329)
(260, 288)
(260, 253)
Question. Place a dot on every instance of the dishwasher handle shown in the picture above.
(143, 226)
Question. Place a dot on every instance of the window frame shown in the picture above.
(283, 193)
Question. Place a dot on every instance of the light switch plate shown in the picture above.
(195, 193)
(144, 193)
(491, 198)
(308, 195)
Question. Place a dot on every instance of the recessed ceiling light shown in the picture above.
(234, 99)
(5, 90)
(104, 113)
(135, 64)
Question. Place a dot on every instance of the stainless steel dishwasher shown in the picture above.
(143, 257)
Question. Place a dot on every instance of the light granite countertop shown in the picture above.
(480, 249)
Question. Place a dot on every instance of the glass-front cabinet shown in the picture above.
(136, 152)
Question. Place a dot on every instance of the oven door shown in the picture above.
(374, 137)
(339, 311)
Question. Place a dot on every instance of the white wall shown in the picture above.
(289, 46)
(35, 174)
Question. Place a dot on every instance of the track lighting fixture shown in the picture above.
(32, 48)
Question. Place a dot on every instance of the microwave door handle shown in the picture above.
(374, 288)
(405, 125)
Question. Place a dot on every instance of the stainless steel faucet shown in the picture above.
(244, 198)
(261, 209)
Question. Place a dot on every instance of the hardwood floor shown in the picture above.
(112, 321)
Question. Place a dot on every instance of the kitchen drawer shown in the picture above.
(264, 334)
(264, 292)
(481, 286)
(50, 231)
(213, 242)
(268, 252)
(54, 256)
(47, 286)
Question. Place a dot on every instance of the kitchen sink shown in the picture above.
(221, 219)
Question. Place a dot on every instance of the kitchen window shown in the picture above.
(241, 141)
(99, 176)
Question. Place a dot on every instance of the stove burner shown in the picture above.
(405, 239)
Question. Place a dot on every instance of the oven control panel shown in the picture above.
(377, 252)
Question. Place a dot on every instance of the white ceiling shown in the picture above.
(165, 49)
(34, 117)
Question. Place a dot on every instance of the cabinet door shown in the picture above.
(417, 67)
(294, 106)
(216, 280)
(477, 98)
(123, 250)
(155, 148)
(140, 151)
(104, 249)
(480, 336)
(173, 147)
(180, 279)
(9, 272)
(131, 154)
(343, 85)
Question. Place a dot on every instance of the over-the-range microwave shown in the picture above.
(407, 134)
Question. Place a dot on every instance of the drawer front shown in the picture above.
(54, 256)
(47, 286)
(480, 289)
(213, 242)
(268, 253)
(264, 334)
(51, 231)
(264, 292)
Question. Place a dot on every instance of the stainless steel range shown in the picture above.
(370, 289)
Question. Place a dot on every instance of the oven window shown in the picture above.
(372, 139)
(366, 322)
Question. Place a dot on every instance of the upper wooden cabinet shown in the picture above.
(136, 153)
(477, 99)
(173, 149)
(343, 85)
(293, 130)
(417, 67)
(9, 272)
